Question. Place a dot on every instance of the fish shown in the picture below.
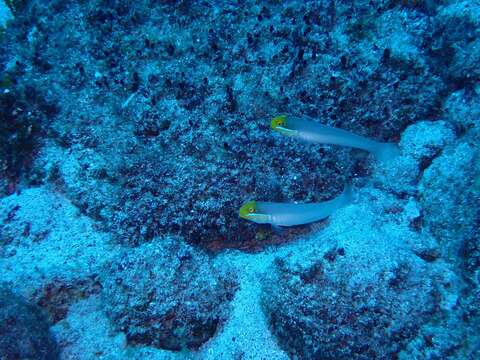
(291, 214)
(314, 132)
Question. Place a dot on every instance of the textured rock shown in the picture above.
(465, 63)
(420, 144)
(462, 109)
(50, 253)
(455, 43)
(168, 129)
(166, 295)
(5, 13)
(24, 331)
(450, 194)
(365, 292)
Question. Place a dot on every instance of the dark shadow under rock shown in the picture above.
(24, 331)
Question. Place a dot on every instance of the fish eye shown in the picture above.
(250, 210)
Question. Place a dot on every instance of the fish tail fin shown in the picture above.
(386, 152)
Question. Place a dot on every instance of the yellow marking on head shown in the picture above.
(278, 121)
(247, 209)
(280, 125)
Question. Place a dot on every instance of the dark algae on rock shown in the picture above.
(132, 132)
(168, 120)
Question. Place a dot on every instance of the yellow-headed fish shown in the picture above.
(291, 214)
(314, 132)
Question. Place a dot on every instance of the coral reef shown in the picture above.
(316, 313)
(363, 295)
(48, 251)
(24, 330)
(168, 128)
(448, 192)
(131, 133)
(5, 15)
(420, 143)
(166, 294)
(455, 44)
(24, 110)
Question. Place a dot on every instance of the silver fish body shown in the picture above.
(291, 214)
(314, 132)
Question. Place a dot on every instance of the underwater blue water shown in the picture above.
(267, 179)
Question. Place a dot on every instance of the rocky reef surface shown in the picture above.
(131, 133)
